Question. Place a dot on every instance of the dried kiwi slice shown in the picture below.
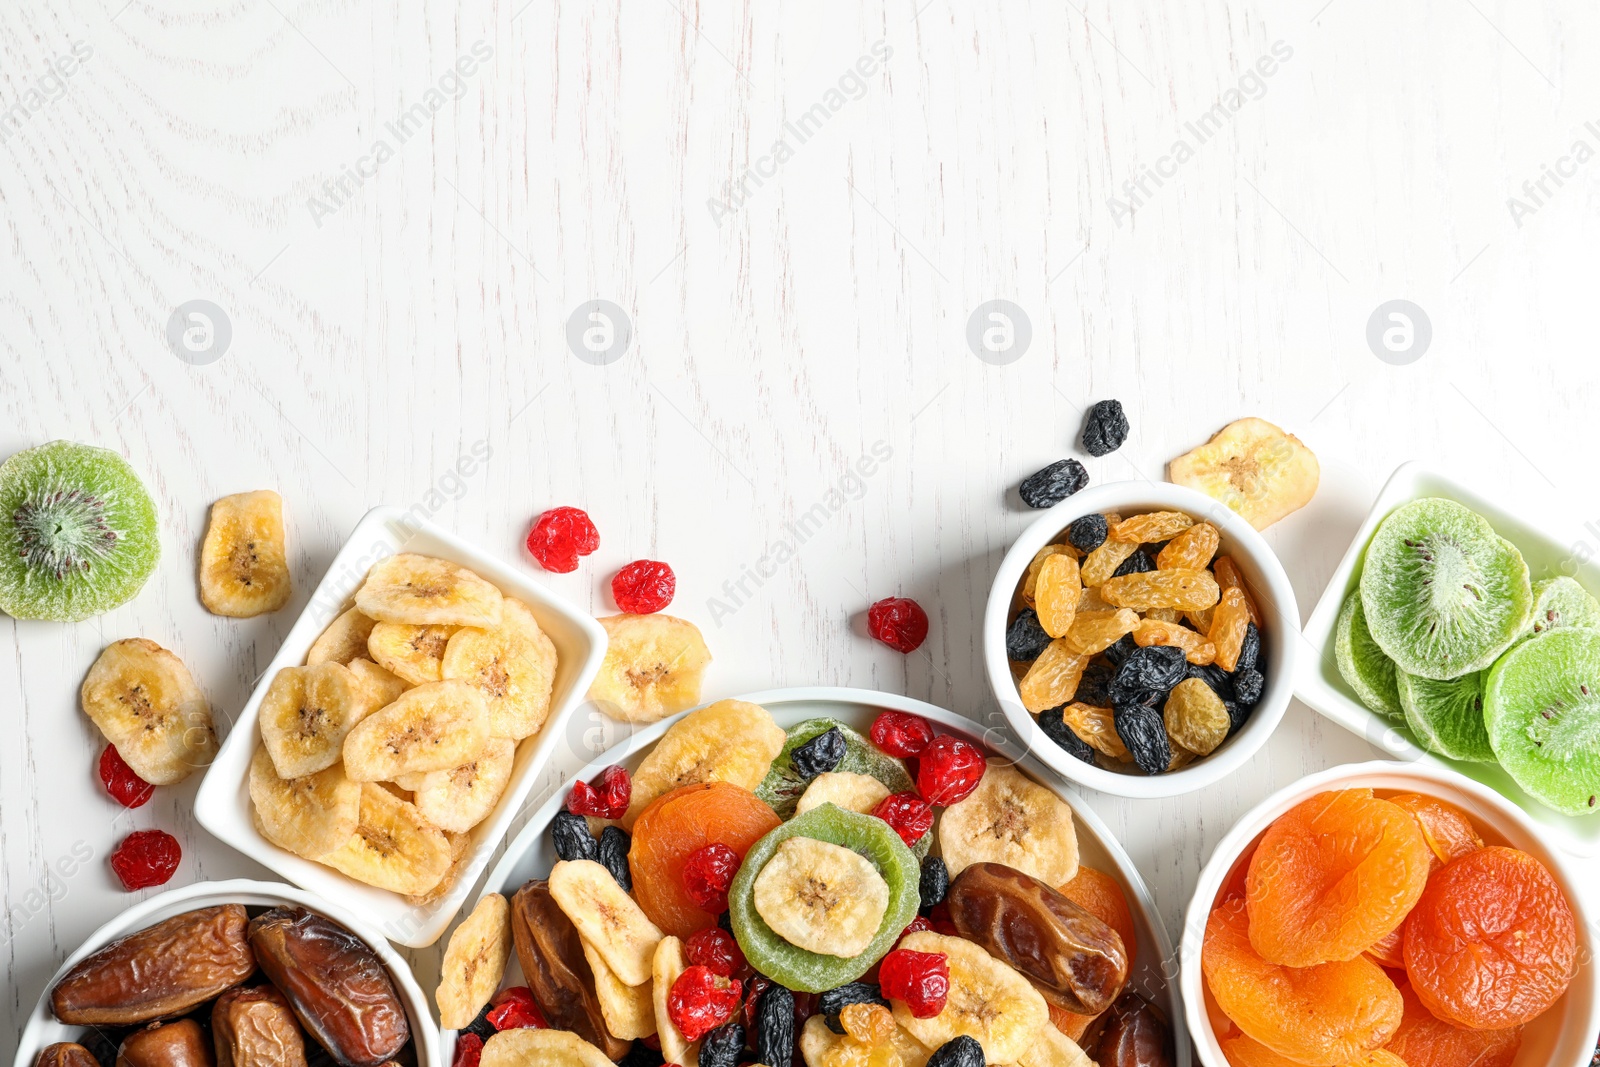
(1447, 717)
(1362, 663)
(1559, 602)
(1443, 594)
(1541, 706)
(814, 972)
(783, 785)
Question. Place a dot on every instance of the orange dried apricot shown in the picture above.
(1192, 549)
(1426, 1041)
(674, 825)
(1325, 1015)
(1445, 827)
(1099, 894)
(1243, 1052)
(1186, 590)
(1053, 678)
(1056, 593)
(1150, 527)
(1229, 622)
(1221, 1025)
(1389, 950)
(1331, 876)
(1492, 943)
(1096, 631)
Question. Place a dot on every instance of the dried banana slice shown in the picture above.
(474, 962)
(393, 847)
(652, 667)
(844, 789)
(460, 845)
(1254, 468)
(1052, 1048)
(731, 741)
(412, 653)
(666, 965)
(425, 591)
(821, 897)
(530, 1047)
(515, 666)
(382, 688)
(988, 1002)
(460, 798)
(311, 815)
(306, 715)
(244, 563)
(433, 727)
(606, 918)
(145, 702)
(1013, 820)
(627, 1009)
(343, 640)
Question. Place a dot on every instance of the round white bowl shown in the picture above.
(1562, 1037)
(44, 1029)
(1269, 586)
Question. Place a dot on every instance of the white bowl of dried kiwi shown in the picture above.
(401, 725)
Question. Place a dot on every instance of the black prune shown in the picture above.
(642, 1055)
(1138, 563)
(1025, 638)
(1238, 715)
(613, 855)
(1250, 651)
(572, 839)
(1145, 735)
(935, 881)
(722, 1047)
(1050, 486)
(481, 1025)
(1119, 651)
(774, 1041)
(1087, 533)
(960, 1051)
(1105, 428)
(1153, 669)
(1219, 680)
(1056, 729)
(832, 1002)
(820, 754)
(1094, 686)
(1248, 684)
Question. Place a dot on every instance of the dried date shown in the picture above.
(1136, 1034)
(66, 1054)
(255, 1027)
(555, 969)
(176, 1044)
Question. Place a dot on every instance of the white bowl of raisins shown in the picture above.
(1141, 639)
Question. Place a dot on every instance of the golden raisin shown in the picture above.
(1228, 625)
(1196, 717)
(1095, 727)
(1096, 631)
(1150, 527)
(1184, 589)
(1200, 620)
(1053, 678)
(1031, 579)
(1181, 757)
(1159, 614)
(1056, 593)
(1192, 549)
(871, 1024)
(1103, 561)
(1196, 649)
(1228, 577)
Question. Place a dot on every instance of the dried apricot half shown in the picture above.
(1426, 1041)
(1492, 943)
(1243, 1052)
(1333, 875)
(1099, 894)
(1448, 831)
(1325, 1015)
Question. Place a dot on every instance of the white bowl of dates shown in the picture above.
(790, 899)
(238, 973)
(1141, 639)
(398, 729)
(1390, 913)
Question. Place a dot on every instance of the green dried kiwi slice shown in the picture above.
(783, 786)
(1559, 602)
(1442, 593)
(814, 972)
(1447, 717)
(1541, 706)
(1362, 663)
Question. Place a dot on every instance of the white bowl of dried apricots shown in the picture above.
(1141, 639)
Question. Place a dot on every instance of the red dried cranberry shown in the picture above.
(716, 950)
(752, 1001)
(920, 979)
(701, 1001)
(707, 874)
(514, 1009)
(908, 813)
(939, 916)
(916, 926)
(608, 801)
(899, 623)
(900, 733)
(146, 858)
(126, 787)
(949, 769)
(644, 586)
(560, 536)
(469, 1050)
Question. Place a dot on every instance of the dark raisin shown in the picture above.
(725, 921)
(1057, 730)
(481, 1025)
(1248, 684)
(1250, 651)
(1088, 533)
(1238, 715)
(831, 1003)
(1138, 563)
(571, 836)
(1219, 680)
(961, 1051)
(1025, 638)
(1155, 669)
(1142, 731)
(1093, 687)
(642, 1055)
(818, 755)
(614, 842)
(774, 1039)
(102, 1045)
(935, 881)
(1105, 428)
(1050, 486)
(722, 1047)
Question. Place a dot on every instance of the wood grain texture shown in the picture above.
(426, 309)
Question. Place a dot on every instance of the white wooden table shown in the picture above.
(399, 210)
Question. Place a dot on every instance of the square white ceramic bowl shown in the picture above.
(223, 802)
(1521, 518)
(1262, 572)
